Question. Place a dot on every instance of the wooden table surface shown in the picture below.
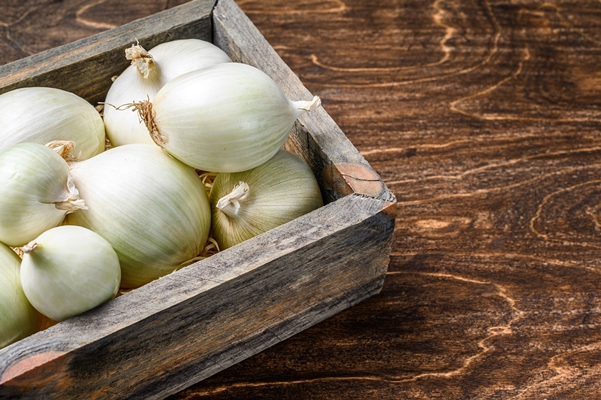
(484, 119)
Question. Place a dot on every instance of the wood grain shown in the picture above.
(484, 118)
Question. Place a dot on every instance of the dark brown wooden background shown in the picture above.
(484, 118)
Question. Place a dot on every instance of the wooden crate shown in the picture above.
(185, 327)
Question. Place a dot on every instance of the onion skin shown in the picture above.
(177, 57)
(43, 114)
(230, 117)
(280, 190)
(153, 209)
(36, 192)
(18, 318)
(68, 270)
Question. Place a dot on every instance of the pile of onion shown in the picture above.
(197, 167)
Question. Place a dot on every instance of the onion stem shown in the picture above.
(146, 115)
(29, 247)
(74, 202)
(64, 148)
(230, 203)
(71, 205)
(308, 105)
(142, 59)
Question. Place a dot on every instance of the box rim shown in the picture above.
(385, 204)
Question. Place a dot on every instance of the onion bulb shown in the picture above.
(68, 270)
(248, 203)
(152, 209)
(230, 117)
(37, 192)
(18, 318)
(148, 72)
(43, 114)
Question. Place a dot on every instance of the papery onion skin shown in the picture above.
(43, 114)
(169, 60)
(153, 209)
(68, 270)
(18, 318)
(178, 57)
(280, 190)
(36, 192)
(230, 117)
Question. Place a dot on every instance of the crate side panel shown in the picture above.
(316, 137)
(85, 67)
(195, 322)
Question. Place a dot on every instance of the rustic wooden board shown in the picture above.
(180, 329)
(195, 322)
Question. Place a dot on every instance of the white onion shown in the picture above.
(248, 203)
(43, 114)
(68, 270)
(37, 192)
(18, 318)
(142, 80)
(152, 208)
(226, 118)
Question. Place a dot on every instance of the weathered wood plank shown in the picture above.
(184, 327)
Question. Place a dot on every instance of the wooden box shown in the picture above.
(183, 328)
